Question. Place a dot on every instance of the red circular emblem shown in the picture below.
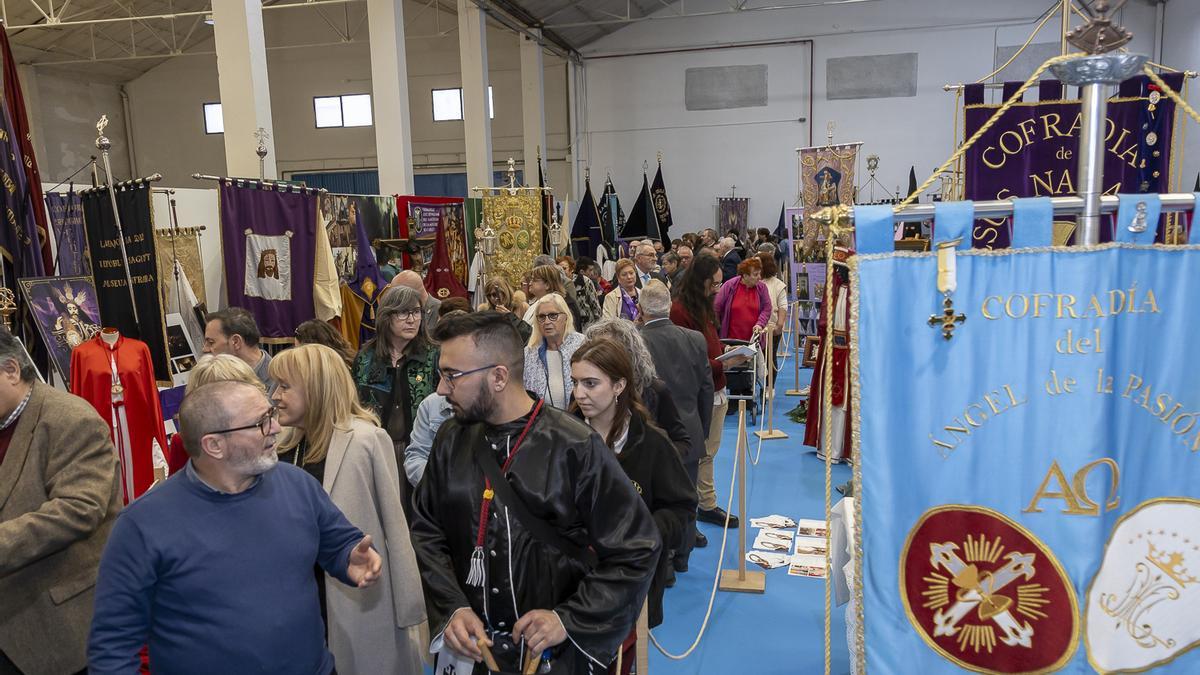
(986, 594)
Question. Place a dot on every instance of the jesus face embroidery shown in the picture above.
(268, 267)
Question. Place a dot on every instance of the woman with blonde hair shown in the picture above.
(327, 432)
(548, 353)
(621, 301)
(209, 369)
(500, 298)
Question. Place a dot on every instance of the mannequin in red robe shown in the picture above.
(440, 280)
(814, 431)
(131, 399)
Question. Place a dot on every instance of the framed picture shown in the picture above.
(802, 286)
(180, 349)
(66, 314)
(812, 343)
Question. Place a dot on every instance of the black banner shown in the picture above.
(112, 291)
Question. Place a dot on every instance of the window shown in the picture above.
(343, 111)
(448, 104)
(214, 123)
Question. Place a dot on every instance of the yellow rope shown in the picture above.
(827, 433)
(1012, 100)
(1171, 93)
(1049, 14)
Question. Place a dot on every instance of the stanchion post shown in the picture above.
(642, 647)
(770, 433)
(739, 580)
(797, 346)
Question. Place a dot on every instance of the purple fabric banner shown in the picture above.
(66, 219)
(1032, 151)
(270, 239)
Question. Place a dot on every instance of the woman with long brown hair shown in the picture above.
(338, 441)
(543, 280)
(607, 399)
(499, 297)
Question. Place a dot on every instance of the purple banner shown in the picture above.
(66, 219)
(1032, 151)
(269, 239)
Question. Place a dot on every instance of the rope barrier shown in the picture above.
(1171, 93)
(716, 577)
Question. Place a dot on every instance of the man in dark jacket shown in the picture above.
(573, 581)
(680, 356)
(729, 258)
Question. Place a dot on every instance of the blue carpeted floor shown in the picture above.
(782, 630)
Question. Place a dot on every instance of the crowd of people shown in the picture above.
(517, 477)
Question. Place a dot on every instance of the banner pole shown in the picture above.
(103, 144)
(770, 433)
(740, 580)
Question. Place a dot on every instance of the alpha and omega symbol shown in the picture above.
(986, 594)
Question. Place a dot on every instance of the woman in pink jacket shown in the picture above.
(744, 304)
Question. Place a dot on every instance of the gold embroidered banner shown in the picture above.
(186, 246)
(517, 219)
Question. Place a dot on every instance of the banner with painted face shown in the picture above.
(1030, 485)
(1032, 151)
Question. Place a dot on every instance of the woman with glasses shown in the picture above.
(499, 296)
(621, 301)
(693, 308)
(334, 438)
(548, 353)
(543, 280)
(220, 368)
(397, 369)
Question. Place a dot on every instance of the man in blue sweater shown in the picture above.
(214, 568)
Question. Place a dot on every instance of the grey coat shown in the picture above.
(680, 356)
(59, 497)
(381, 628)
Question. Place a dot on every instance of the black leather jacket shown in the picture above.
(565, 475)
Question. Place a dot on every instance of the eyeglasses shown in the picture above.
(450, 377)
(408, 315)
(717, 284)
(263, 424)
(552, 317)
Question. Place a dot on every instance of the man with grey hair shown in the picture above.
(214, 568)
(646, 262)
(59, 496)
(729, 257)
(680, 356)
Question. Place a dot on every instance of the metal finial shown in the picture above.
(102, 142)
(1100, 34)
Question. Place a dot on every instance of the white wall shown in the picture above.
(64, 109)
(170, 135)
(955, 42)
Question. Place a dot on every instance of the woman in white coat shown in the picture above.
(379, 629)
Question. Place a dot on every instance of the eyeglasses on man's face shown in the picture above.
(263, 424)
(552, 317)
(451, 377)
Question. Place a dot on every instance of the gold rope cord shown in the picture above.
(827, 430)
(1012, 100)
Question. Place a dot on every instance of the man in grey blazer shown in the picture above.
(680, 356)
(59, 497)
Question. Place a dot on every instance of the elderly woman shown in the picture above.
(209, 369)
(397, 369)
(335, 439)
(621, 301)
(548, 353)
(779, 302)
(743, 305)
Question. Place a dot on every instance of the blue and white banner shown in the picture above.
(1031, 484)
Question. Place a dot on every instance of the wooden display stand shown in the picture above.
(739, 580)
(797, 356)
(770, 433)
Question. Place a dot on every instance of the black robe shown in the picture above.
(567, 476)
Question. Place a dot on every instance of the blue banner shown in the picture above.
(1030, 484)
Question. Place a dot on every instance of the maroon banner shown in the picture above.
(1032, 151)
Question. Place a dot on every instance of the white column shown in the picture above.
(472, 47)
(533, 103)
(389, 89)
(245, 94)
